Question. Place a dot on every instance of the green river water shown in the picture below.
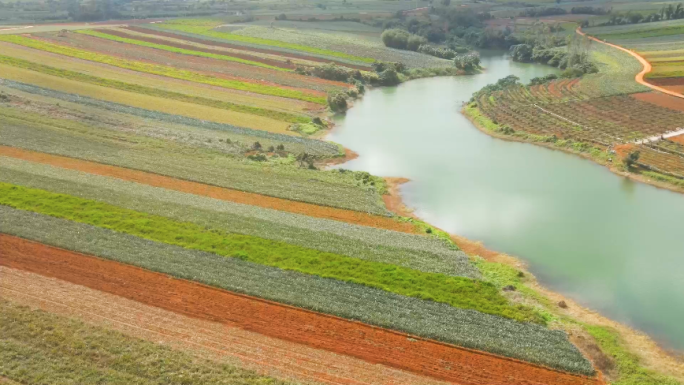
(613, 245)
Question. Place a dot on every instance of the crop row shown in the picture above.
(183, 51)
(293, 106)
(526, 341)
(205, 28)
(456, 291)
(284, 116)
(71, 139)
(161, 69)
(37, 107)
(38, 345)
(315, 146)
(407, 250)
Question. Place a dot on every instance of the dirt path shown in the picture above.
(640, 76)
(211, 340)
(150, 179)
(365, 342)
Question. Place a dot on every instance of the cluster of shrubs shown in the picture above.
(468, 61)
(401, 39)
(260, 157)
(440, 52)
(574, 64)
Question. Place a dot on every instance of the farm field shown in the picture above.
(168, 213)
(598, 113)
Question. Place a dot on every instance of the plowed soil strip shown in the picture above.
(246, 48)
(221, 193)
(220, 342)
(336, 335)
(661, 100)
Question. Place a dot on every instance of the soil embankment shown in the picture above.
(371, 344)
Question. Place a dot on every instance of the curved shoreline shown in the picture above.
(652, 355)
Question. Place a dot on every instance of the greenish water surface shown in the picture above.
(614, 245)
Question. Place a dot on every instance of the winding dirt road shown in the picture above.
(640, 76)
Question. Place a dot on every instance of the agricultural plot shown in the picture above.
(219, 343)
(345, 42)
(163, 156)
(182, 161)
(111, 75)
(350, 301)
(164, 70)
(91, 355)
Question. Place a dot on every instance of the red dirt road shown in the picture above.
(372, 344)
(640, 76)
(210, 191)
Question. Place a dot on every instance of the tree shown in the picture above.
(446, 2)
(337, 102)
(630, 160)
(256, 146)
(467, 61)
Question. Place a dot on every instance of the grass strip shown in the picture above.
(468, 328)
(72, 75)
(456, 291)
(183, 51)
(41, 348)
(161, 70)
(630, 371)
(201, 27)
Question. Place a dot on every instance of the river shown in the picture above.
(613, 245)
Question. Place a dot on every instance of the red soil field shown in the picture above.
(247, 48)
(660, 99)
(372, 344)
(215, 192)
(210, 340)
(667, 81)
(679, 139)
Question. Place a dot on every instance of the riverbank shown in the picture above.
(610, 161)
(576, 319)
(581, 324)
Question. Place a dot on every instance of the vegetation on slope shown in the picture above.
(205, 27)
(183, 51)
(457, 291)
(162, 70)
(284, 116)
(468, 328)
(40, 348)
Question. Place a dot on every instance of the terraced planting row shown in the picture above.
(67, 351)
(205, 28)
(324, 332)
(163, 70)
(200, 339)
(65, 63)
(218, 42)
(72, 139)
(412, 251)
(165, 45)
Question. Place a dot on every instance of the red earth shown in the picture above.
(372, 344)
